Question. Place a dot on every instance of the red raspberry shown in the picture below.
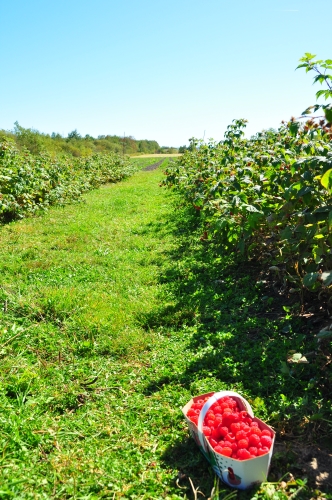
(226, 420)
(240, 435)
(206, 430)
(235, 427)
(243, 454)
(253, 450)
(217, 410)
(243, 443)
(224, 406)
(227, 451)
(197, 406)
(243, 415)
(227, 444)
(210, 415)
(254, 440)
(245, 427)
(194, 419)
(266, 441)
(191, 412)
(215, 433)
(223, 431)
(234, 446)
(213, 442)
(234, 417)
(218, 449)
(255, 430)
(230, 437)
(218, 420)
(262, 451)
(248, 420)
(266, 432)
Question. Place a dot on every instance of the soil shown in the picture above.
(306, 460)
(154, 165)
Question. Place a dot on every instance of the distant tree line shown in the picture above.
(191, 147)
(76, 145)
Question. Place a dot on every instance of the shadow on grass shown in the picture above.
(241, 333)
(240, 339)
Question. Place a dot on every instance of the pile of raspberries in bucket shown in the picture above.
(230, 431)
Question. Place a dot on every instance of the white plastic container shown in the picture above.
(240, 474)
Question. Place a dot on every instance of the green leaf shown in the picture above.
(284, 368)
(328, 114)
(236, 200)
(293, 128)
(324, 334)
(324, 93)
(241, 245)
(286, 234)
(320, 78)
(305, 190)
(251, 208)
(310, 279)
(325, 209)
(316, 416)
(326, 180)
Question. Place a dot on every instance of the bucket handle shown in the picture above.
(213, 399)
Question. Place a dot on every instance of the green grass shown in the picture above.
(113, 315)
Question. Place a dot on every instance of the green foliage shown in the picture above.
(76, 145)
(323, 70)
(30, 182)
(268, 194)
(271, 194)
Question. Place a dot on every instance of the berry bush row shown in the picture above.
(32, 182)
(268, 196)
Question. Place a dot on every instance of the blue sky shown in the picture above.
(157, 69)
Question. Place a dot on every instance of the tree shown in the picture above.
(74, 135)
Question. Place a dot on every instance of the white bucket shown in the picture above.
(240, 474)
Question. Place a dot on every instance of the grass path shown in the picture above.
(76, 423)
(113, 314)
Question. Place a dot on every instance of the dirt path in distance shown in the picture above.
(154, 165)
